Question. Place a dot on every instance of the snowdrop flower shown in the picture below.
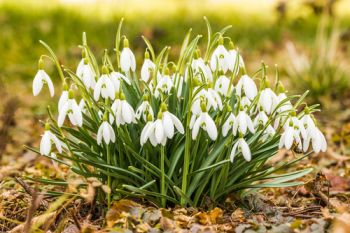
(164, 85)
(307, 120)
(260, 119)
(290, 135)
(86, 74)
(105, 132)
(82, 106)
(242, 146)
(316, 137)
(64, 97)
(267, 100)
(127, 58)
(243, 123)
(46, 142)
(220, 57)
(210, 97)
(147, 67)
(144, 109)
(200, 68)
(222, 85)
(147, 133)
(205, 122)
(245, 102)
(246, 85)
(233, 58)
(287, 105)
(162, 129)
(228, 124)
(40, 79)
(73, 111)
(122, 110)
(298, 124)
(117, 78)
(104, 86)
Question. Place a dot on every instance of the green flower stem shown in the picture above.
(162, 182)
(108, 177)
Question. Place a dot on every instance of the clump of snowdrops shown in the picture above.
(175, 132)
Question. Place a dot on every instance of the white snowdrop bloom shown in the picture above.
(143, 110)
(267, 100)
(235, 60)
(228, 124)
(46, 142)
(222, 85)
(148, 66)
(82, 106)
(117, 78)
(147, 133)
(127, 58)
(63, 99)
(40, 79)
(123, 111)
(287, 105)
(80, 66)
(220, 58)
(297, 123)
(209, 96)
(171, 122)
(200, 69)
(205, 122)
(307, 121)
(290, 135)
(242, 146)
(73, 111)
(86, 74)
(104, 88)
(162, 129)
(316, 137)
(164, 85)
(105, 132)
(243, 123)
(246, 85)
(245, 102)
(260, 119)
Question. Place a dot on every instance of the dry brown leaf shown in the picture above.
(210, 217)
(39, 220)
(120, 208)
(237, 215)
(342, 224)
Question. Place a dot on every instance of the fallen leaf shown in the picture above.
(120, 208)
(342, 224)
(210, 217)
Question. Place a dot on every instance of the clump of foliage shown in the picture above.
(181, 130)
(323, 71)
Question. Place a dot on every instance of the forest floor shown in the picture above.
(321, 204)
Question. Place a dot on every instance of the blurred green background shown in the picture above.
(308, 39)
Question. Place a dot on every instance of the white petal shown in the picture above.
(289, 138)
(37, 83)
(177, 123)
(245, 150)
(159, 131)
(233, 152)
(106, 132)
(45, 144)
(168, 125)
(211, 127)
(62, 114)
